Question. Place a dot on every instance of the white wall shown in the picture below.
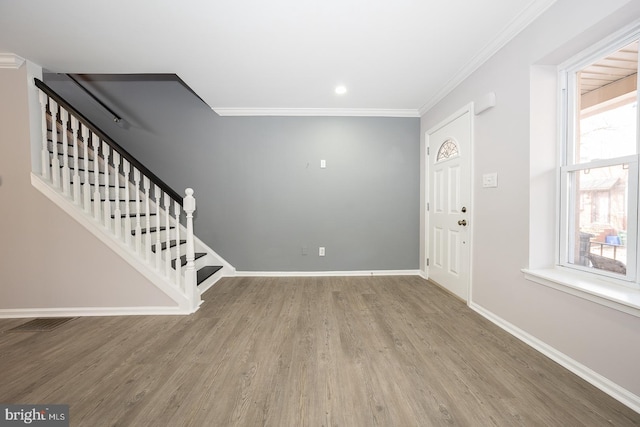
(602, 339)
(47, 260)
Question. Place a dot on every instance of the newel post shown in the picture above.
(190, 276)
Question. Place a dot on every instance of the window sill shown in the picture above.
(584, 285)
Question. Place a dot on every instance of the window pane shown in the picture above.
(606, 123)
(598, 214)
(608, 134)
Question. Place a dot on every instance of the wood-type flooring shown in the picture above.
(310, 351)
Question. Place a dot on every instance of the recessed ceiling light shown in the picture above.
(341, 90)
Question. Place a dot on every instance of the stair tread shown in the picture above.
(183, 259)
(163, 245)
(205, 272)
(152, 230)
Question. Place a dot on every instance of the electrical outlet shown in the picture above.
(321, 251)
(305, 250)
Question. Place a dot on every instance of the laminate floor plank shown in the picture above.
(309, 351)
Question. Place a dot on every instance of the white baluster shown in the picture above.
(176, 209)
(76, 148)
(44, 154)
(107, 196)
(95, 143)
(127, 197)
(55, 162)
(117, 215)
(138, 228)
(158, 198)
(190, 276)
(86, 185)
(147, 210)
(66, 173)
(167, 259)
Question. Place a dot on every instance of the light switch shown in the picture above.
(323, 164)
(490, 180)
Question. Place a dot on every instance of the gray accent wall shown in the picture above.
(263, 202)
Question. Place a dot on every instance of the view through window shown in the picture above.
(600, 174)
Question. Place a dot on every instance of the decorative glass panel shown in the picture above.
(447, 150)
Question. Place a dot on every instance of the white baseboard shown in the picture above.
(327, 273)
(13, 313)
(612, 389)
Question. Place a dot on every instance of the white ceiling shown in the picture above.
(397, 58)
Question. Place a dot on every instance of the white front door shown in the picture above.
(449, 207)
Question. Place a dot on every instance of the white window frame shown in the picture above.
(568, 114)
(545, 267)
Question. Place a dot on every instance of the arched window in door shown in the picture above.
(447, 150)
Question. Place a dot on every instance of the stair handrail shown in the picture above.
(116, 118)
(104, 137)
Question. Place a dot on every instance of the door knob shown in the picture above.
(462, 222)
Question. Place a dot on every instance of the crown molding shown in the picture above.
(10, 60)
(519, 23)
(316, 112)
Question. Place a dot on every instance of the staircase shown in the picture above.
(123, 203)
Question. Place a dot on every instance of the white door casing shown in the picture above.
(449, 213)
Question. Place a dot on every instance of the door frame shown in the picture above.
(426, 197)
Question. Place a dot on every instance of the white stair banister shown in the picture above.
(147, 240)
(190, 276)
(126, 166)
(76, 155)
(86, 197)
(55, 162)
(107, 198)
(44, 156)
(167, 260)
(138, 227)
(158, 196)
(176, 210)
(117, 213)
(95, 143)
(66, 173)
